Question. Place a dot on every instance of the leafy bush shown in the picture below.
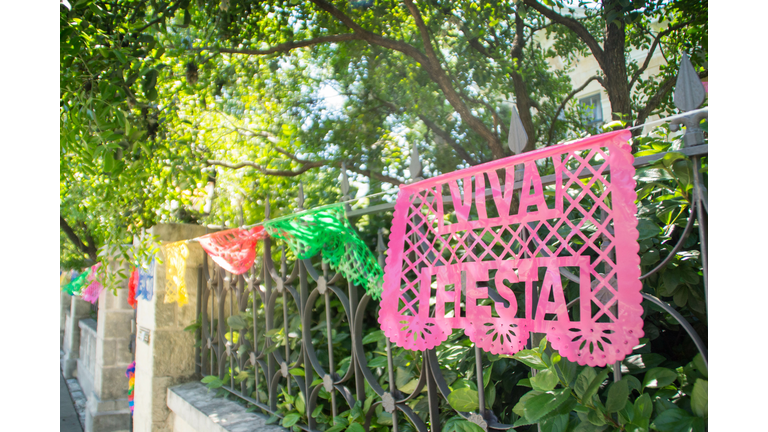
(663, 384)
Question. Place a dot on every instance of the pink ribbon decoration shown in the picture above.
(235, 249)
(91, 294)
(495, 249)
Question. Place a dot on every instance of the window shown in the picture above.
(594, 108)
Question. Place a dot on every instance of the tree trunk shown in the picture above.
(521, 93)
(615, 70)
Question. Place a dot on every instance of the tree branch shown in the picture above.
(449, 139)
(565, 101)
(371, 37)
(434, 128)
(654, 101)
(89, 249)
(486, 105)
(652, 50)
(428, 62)
(371, 174)
(288, 46)
(306, 166)
(575, 27)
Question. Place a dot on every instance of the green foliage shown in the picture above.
(621, 405)
(153, 92)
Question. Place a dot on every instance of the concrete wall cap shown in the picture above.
(193, 403)
(88, 324)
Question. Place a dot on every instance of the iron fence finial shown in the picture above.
(415, 168)
(517, 136)
(689, 91)
(689, 95)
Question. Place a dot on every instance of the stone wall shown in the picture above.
(86, 362)
(168, 358)
(65, 301)
(107, 409)
(78, 310)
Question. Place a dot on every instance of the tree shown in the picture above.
(161, 98)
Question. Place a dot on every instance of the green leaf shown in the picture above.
(669, 159)
(290, 419)
(490, 396)
(640, 362)
(236, 322)
(583, 380)
(594, 386)
(633, 383)
(272, 419)
(701, 366)
(296, 372)
(699, 398)
(596, 417)
(626, 413)
(530, 358)
(209, 379)
(643, 406)
(409, 387)
(377, 362)
(647, 229)
(402, 376)
(193, 327)
(676, 420)
(683, 170)
(539, 406)
(568, 370)
(300, 404)
(659, 377)
(487, 376)
(519, 408)
(373, 337)
(618, 395)
(545, 380)
(355, 427)
(558, 423)
(120, 56)
(464, 399)
(586, 426)
(318, 409)
(150, 80)
(241, 376)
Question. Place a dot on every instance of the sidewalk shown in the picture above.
(69, 420)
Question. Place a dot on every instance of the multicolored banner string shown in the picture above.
(175, 267)
(235, 249)
(329, 232)
(145, 288)
(77, 283)
(65, 278)
(133, 281)
(131, 374)
(91, 294)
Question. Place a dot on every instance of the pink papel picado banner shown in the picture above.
(498, 266)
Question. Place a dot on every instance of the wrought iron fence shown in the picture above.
(288, 336)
